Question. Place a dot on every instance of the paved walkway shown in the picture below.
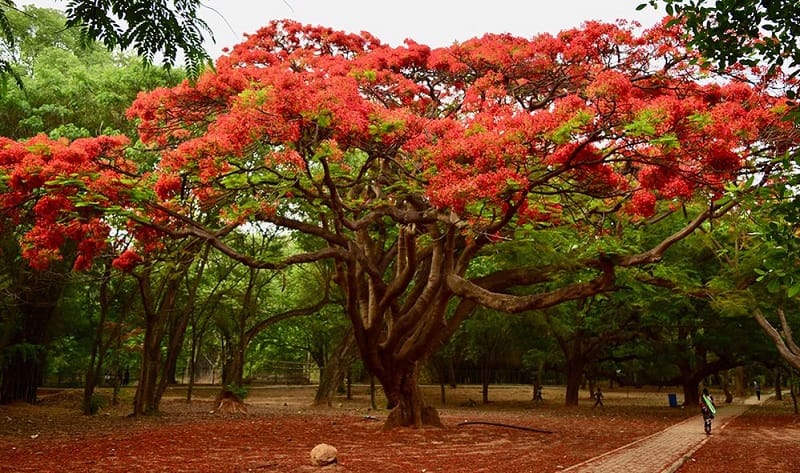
(664, 451)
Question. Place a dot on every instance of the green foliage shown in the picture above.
(149, 27)
(152, 29)
(563, 133)
(70, 91)
(751, 32)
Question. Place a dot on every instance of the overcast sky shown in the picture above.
(431, 22)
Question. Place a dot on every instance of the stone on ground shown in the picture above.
(323, 455)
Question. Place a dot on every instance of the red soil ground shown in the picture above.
(281, 429)
(765, 438)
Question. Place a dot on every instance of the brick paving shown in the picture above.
(665, 451)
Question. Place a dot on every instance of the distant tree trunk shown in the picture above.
(22, 374)
(95, 369)
(442, 365)
(574, 377)
(372, 402)
(590, 387)
(25, 335)
(778, 383)
(485, 377)
(343, 355)
(741, 382)
(192, 370)
(691, 393)
(726, 387)
(97, 356)
(537, 383)
(157, 312)
(349, 385)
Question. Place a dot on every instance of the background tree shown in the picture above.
(72, 92)
(758, 253)
(489, 344)
(749, 32)
(152, 29)
(46, 235)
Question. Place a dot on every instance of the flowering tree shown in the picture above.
(53, 195)
(403, 165)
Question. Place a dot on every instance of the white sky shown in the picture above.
(431, 22)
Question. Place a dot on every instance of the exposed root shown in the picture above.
(229, 403)
(510, 426)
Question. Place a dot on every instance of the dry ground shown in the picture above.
(281, 429)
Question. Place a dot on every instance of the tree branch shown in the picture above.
(791, 357)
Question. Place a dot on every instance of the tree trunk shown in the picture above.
(405, 397)
(741, 382)
(97, 356)
(144, 401)
(331, 377)
(726, 387)
(372, 402)
(22, 374)
(485, 374)
(158, 309)
(574, 377)
(778, 391)
(93, 373)
(591, 386)
(691, 393)
(343, 355)
(233, 371)
(25, 336)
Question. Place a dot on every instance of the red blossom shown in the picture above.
(127, 261)
(477, 128)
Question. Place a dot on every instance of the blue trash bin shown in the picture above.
(673, 399)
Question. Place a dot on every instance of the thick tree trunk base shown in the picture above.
(404, 418)
(229, 403)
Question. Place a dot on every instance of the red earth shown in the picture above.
(281, 428)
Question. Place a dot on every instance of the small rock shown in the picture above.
(323, 455)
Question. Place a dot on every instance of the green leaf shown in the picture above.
(774, 286)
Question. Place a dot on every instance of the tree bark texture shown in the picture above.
(344, 354)
(25, 336)
(409, 408)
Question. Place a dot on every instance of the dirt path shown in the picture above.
(663, 451)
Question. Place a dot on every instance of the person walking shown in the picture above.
(757, 387)
(598, 398)
(708, 409)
